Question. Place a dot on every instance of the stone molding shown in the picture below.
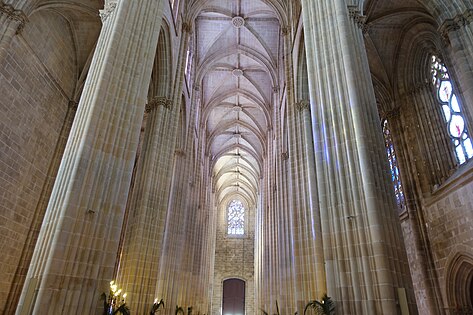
(14, 14)
(238, 21)
(186, 27)
(73, 105)
(109, 8)
(459, 21)
(180, 152)
(156, 102)
(285, 31)
(303, 105)
(360, 20)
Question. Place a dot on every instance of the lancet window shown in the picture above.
(452, 111)
(393, 166)
(236, 218)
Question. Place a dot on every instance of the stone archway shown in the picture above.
(459, 284)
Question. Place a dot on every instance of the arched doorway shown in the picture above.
(460, 284)
(233, 297)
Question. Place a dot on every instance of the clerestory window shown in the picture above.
(452, 110)
(394, 167)
(236, 218)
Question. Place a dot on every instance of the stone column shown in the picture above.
(313, 215)
(12, 21)
(365, 258)
(458, 35)
(75, 254)
(306, 242)
(138, 269)
(144, 239)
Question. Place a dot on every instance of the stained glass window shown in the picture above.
(393, 166)
(451, 110)
(236, 218)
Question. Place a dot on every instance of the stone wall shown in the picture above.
(234, 258)
(36, 84)
(449, 224)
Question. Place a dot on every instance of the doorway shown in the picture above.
(233, 297)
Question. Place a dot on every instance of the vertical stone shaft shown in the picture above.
(32, 237)
(74, 257)
(364, 253)
(142, 252)
(138, 271)
(308, 254)
(313, 216)
(167, 269)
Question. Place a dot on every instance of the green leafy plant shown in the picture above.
(324, 307)
(156, 306)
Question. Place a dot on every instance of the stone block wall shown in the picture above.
(234, 258)
(37, 79)
(449, 224)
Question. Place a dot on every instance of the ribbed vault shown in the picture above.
(236, 51)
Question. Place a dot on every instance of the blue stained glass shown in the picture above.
(393, 166)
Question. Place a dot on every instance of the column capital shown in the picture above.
(110, 6)
(180, 152)
(285, 30)
(285, 156)
(187, 27)
(303, 105)
(456, 23)
(13, 14)
(73, 105)
(360, 20)
(158, 101)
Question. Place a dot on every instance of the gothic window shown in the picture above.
(236, 218)
(393, 166)
(452, 111)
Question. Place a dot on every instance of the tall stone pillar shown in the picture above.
(139, 264)
(75, 254)
(305, 232)
(366, 264)
(313, 215)
(143, 252)
(458, 34)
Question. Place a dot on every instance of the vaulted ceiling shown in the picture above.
(237, 44)
(399, 31)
